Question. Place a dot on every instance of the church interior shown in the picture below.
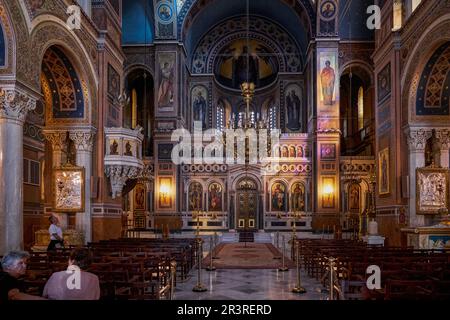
(229, 149)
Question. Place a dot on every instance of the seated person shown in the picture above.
(14, 265)
(74, 283)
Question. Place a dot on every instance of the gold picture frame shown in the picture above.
(68, 189)
(384, 186)
(140, 195)
(432, 190)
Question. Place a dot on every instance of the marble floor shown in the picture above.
(233, 284)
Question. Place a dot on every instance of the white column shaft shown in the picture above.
(416, 160)
(11, 185)
(84, 219)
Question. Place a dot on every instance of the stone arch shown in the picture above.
(137, 66)
(9, 40)
(279, 41)
(361, 67)
(65, 95)
(425, 47)
(51, 33)
(244, 176)
(305, 9)
(15, 27)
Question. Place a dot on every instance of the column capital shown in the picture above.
(83, 139)
(58, 139)
(443, 136)
(15, 104)
(417, 138)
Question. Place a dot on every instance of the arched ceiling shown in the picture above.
(433, 94)
(204, 14)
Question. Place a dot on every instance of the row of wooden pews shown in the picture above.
(128, 269)
(406, 273)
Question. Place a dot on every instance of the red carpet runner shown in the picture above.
(246, 256)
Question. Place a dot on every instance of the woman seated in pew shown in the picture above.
(74, 283)
(14, 266)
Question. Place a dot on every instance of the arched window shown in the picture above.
(361, 108)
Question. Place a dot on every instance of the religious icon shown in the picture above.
(298, 197)
(292, 152)
(166, 86)
(113, 148)
(299, 152)
(139, 197)
(293, 108)
(285, 152)
(215, 197)
(195, 197)
(328, 10)
(432, 185)
(245, 68)
(383, 171)
(128, 151)
(384, 83)
(164, 12)
(327, 79)
(199, 105)
(248, 61)
(354, 198)
(278, 197)
(68, 188)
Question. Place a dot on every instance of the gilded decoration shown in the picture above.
(412, 74)
(68, 189)
(9, 46)
(234, 30)
(432, 188)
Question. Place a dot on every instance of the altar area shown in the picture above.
(433, 237)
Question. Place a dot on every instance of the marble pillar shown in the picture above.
(443, 136)
(58, 140)
(84, 142)
(417, 140)
(14, 106)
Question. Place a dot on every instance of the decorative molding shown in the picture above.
(58, 139)
(84, 140)
(123, 158)
(417, 138)
(119, 174)
(190, 8)
(204, 168)
(15, 105)
(443, 136)
(221, 35)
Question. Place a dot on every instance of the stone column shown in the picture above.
(84, 142)
(417, 140)
(14, 106)
(58, 140)
(444, 138)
